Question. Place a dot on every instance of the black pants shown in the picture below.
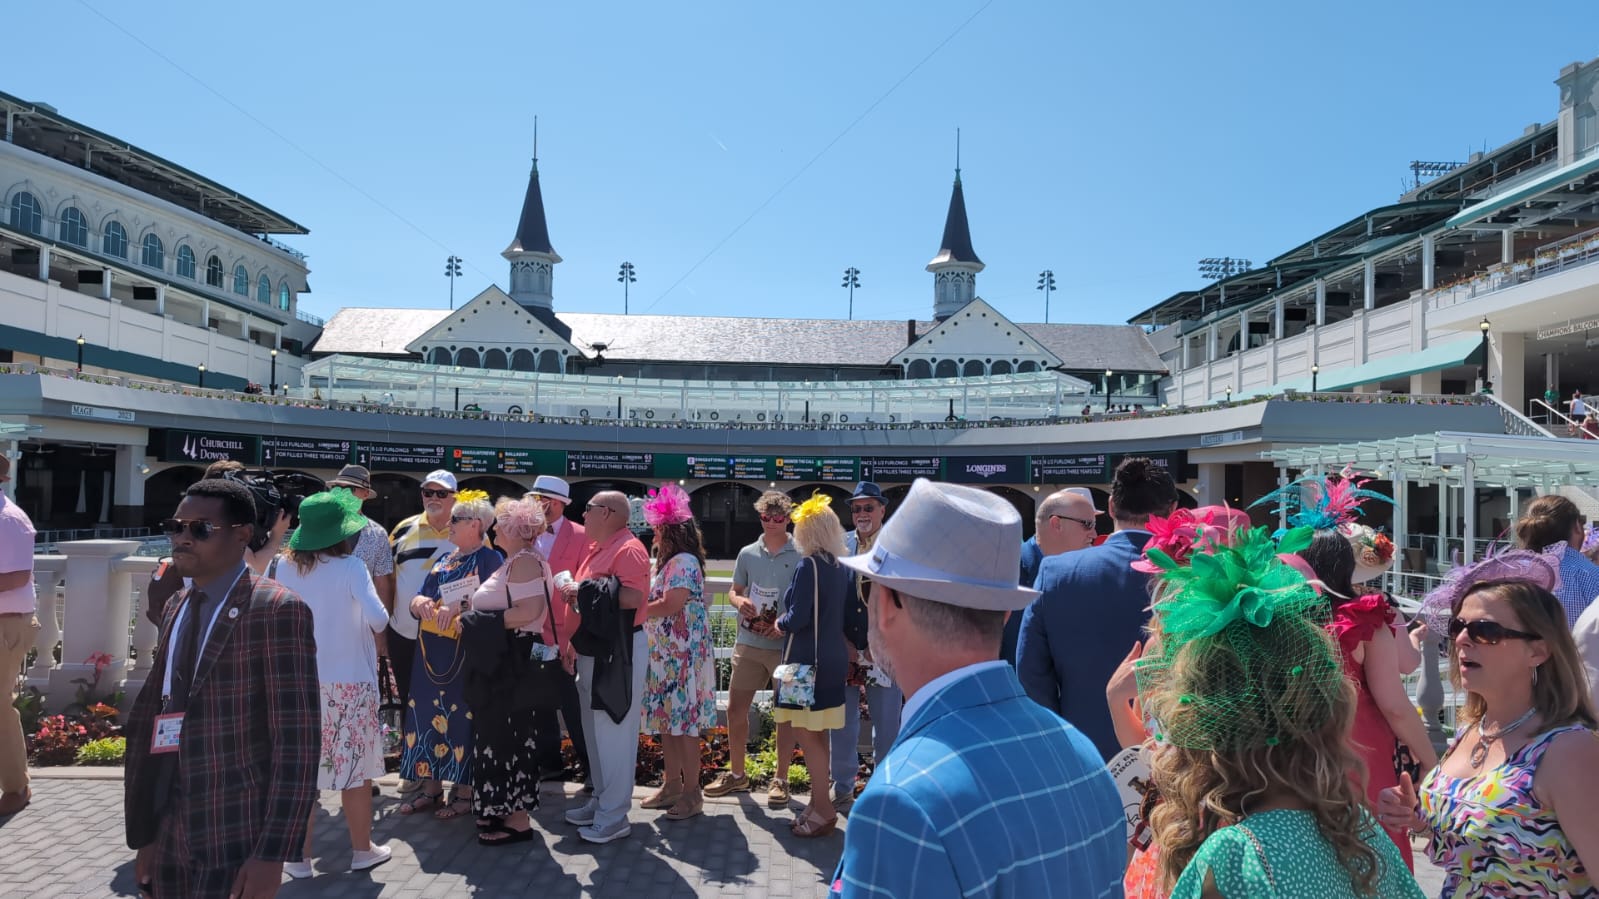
(402, 652)
(548, 727)
(175, 874)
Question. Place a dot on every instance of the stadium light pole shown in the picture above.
(852, 280)
(626, 276)
(452, 270)
(1046, 283)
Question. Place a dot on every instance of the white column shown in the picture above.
(1429, 261)
(1188, 344)
(1368, 284)
(44, 263)
(1277, 314)
(127, 481)
(1507, 355)
(1212, 342)
(1212, 483)
(160, 299)
(1507, 246)
(98, 611)
(1468, 505)
(105, 284)
(1243, 332)
(1321, 302)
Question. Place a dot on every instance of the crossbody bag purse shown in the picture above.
(796, 683)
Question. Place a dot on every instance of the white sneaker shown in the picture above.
(583, 815)
(617, 831)
(370, 858)
(298, 870)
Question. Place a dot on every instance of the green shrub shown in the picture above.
(104, 751)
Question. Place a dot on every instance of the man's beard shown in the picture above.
(874, 639)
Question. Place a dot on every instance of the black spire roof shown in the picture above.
(532, 233)
(957, 244)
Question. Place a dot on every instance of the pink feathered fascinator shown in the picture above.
(667, 505)
(1539, 569)
(1184, 531)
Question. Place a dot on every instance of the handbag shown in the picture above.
(544, 677)
(796, 683)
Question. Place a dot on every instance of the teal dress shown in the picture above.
(1282, 854)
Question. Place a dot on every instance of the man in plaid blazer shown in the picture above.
(985, 793)
(220, 813)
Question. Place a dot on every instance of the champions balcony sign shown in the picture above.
(986, 469)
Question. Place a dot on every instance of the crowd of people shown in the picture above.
(1241, 685)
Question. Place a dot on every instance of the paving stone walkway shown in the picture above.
(69, 843)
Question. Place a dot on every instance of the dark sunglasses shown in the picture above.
(199, 530)
(1086, 524)
(437, 494)
(457, 519)
(861, 508)
(774, 519)
(1486, 632)
(592, 506)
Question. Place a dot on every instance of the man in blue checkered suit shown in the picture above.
(985, 793)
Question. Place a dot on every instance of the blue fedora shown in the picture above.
(869, 490)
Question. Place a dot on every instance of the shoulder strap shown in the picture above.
(272, 567)
(1533, 752)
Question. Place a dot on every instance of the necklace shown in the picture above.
(1485, 740)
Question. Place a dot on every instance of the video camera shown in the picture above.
(274, 492)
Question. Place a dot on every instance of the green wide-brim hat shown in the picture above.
(327, 519)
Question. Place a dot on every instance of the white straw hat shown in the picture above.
(951, 544)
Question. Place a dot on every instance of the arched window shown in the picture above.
(74, 227)
(284, 300)
(241, 280)
(439, 356)
(213, 272)
(1027, 366)
(973, 369)
(946, 369)
(26, 214)
(263, 289)
(153, 254)
(495, 359)
(1001, 367)
(115, 242)
(524, 360)
(920, 369)
(468, 357)
(550, 361)
(185, 264)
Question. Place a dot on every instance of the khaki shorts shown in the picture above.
(753, 667)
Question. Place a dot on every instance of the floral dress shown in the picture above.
(680, 685)
(438, 724)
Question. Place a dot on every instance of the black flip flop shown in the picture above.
(504, 836)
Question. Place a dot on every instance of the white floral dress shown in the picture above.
(680, 685)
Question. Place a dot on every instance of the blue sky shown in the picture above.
(1115, 144)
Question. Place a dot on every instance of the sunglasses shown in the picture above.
(861, 508)
(1485, 632)
(457, 519)
(199, 530)
(437, 494)
(774, 519)
(1086, 524)
(592, 506)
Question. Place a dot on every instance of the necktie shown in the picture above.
(187, 648)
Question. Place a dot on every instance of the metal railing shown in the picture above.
(1517, 424)
(1550, 259)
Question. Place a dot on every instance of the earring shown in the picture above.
(1535, 676)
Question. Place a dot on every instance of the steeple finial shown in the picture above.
(536, 148)
(957, 156)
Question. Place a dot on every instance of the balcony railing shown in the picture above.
(1550, 259)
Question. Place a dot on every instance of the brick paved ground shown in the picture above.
(70, 843)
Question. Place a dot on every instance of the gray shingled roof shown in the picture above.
(697, 338)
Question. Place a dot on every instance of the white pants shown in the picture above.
(613, 747)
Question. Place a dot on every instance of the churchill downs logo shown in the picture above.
(985, 471)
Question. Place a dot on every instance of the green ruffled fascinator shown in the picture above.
(1243, 659)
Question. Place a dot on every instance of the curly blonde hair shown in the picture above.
(1203, 790)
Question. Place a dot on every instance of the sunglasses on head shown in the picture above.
(436, 494)
(1486, 632)
(199, 530)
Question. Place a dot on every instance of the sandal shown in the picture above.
(808, 827)
(458, 807)
(421, 802)
(686, 808)
(505, 836)
(489, 823)
(661, 799)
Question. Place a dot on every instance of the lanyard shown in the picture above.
(177, 628)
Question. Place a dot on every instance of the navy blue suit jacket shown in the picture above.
(1091, 609)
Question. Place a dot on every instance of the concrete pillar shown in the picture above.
(1507, 246)
(44, 263)
(127, 492)
(1321, 302)
(1507, 366)
(1427, 382)
(1212, 342)
(1277, 318)
(98, 609)
(105, 284)
(1368, 284)
(160, 299)
(205, 312)
(1243, 332)
(1429, 261)
(1212, 483)
(1188, 345)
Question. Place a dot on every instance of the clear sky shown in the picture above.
(742, 154)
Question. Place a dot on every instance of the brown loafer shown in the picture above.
(808, 827)
(11, 803)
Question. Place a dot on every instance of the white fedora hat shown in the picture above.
(951, 544)
(552, 487)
